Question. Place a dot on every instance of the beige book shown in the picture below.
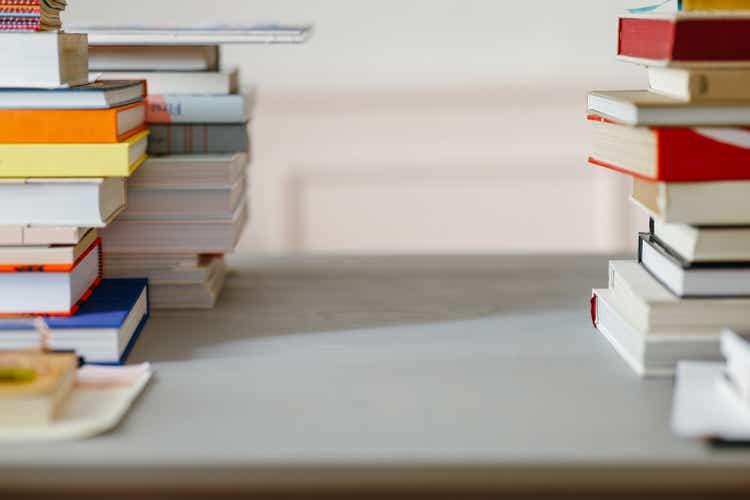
(699, 85)
(38, 255)
(34, 386)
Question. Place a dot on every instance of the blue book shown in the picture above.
(103, 331)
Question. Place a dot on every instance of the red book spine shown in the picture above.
(646, 38)
(685, 155)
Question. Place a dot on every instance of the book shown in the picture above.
(46, 257)
(649, 353)
(90, 126)
(31, 15)
(696, 203)
(41, 235)
(704, 244)
(73, 160)
(44, 60)
(642, 107)
(696, 279)
(198, 138)
(86, 202)
(671, 154)
(200, 236)
(685, 38)
(145, 263)
(701, 84)
(97, 95)
(103, 331)
(693, 5)
(215, 34)
(232, 108)
(150, 58)
(186, 171)
(191, 203)
(183, 82)
(195, 295)
(36, 398)
(160, 271)
(649, 306)
(37, 292)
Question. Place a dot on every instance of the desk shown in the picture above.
(392, 374)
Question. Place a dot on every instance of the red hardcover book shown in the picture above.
(672, 154)
(686, 38)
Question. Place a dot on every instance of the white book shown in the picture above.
(40, 255)
(705, 244)
(185, 171)
(649, 306)
(85, 202)
(150, 58)
(43, 60)
(178, 82)
(649, 353)
(196, 35)
(49, 292)
(97, 95)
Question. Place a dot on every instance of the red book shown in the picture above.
(672, 154)
(686, 38)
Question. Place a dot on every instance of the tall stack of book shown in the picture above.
(187, 204)
(685, 144)
(66, 147)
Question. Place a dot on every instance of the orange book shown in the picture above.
(72, 126)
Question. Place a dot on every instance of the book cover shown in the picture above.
(165, 109)
(90, 126)
(103, 94)
(189, 139)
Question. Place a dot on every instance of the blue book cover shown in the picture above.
(107, 308)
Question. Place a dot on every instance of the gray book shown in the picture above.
(191, 139)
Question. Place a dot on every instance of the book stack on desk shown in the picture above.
(686, 144)
(187, 205)
(66, 149)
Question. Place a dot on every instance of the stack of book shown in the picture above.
(31, 15)
(66, 148)
(684, 143)
(187, 204)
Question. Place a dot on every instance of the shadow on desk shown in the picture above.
(342, 299)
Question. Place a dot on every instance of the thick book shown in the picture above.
(649, 353)
(643, 107)
(693, 279)
(232, 108)
(671, 154)
(650, 307)
(41, 235)
(190, 203)
(97, 95)
(199, 236)
(183, 82)
(215, 34)
(685, 38)
(187, 171)
(34, 291)
(47, 257)
(693, 5)
(43, 60)
(150, 58)
(74, 160)
(103, 331)
(86, 202)
(695, 203)
(704, 244)
(198, 138)
(89, 126)
(701, 84)
(49, 380)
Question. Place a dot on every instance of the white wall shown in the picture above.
(422, 125)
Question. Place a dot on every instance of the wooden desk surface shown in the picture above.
(390, 374)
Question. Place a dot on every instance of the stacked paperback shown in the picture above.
(685, 144)
(66, 149)
(187, 203)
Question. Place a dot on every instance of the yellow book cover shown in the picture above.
(693, 5)
(73, 160)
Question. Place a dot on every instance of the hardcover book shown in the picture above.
(43, 60)
(232, 108)
(103, 94)
(198, 138)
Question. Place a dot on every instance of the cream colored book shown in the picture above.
(34, 386)
(46, 255)
(701, 85)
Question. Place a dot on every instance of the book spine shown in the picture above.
(702, 155)
(691, 5)
(190, 139)
(196, 109)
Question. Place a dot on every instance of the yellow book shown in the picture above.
(692, 5)
(73, 160)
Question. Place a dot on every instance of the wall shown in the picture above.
(422, 126)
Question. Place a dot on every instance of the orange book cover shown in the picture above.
(72, 126)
